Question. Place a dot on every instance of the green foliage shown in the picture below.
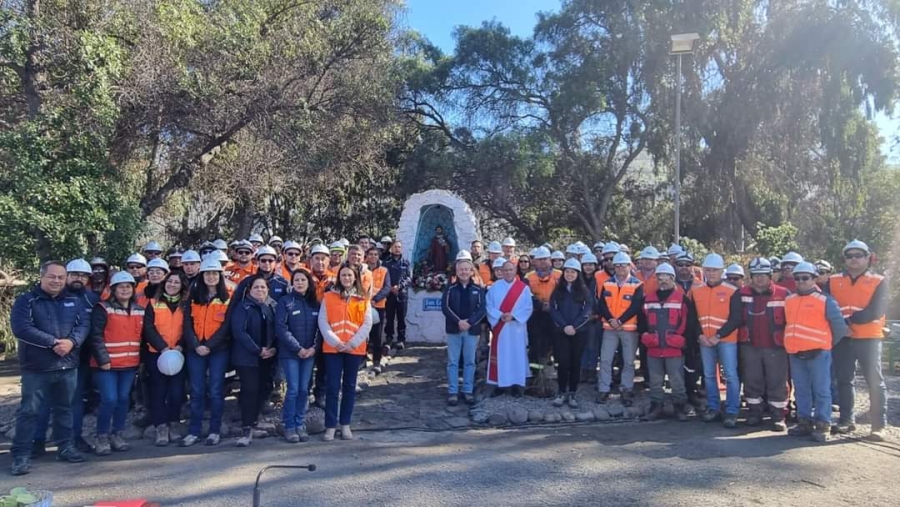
(776, 240)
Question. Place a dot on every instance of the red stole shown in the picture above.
(509, 302)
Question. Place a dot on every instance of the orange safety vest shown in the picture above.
(169, 324)
(235, 273)
(855, 296)
(378, 276)
(713, 305)
(542, 288)
(345, 317)
(368, 283)
(601, 277)
(208, 318)
(807, 328)
(650, 282)
(322, 285)
(122, 336)
(485, 270)
(618, 299)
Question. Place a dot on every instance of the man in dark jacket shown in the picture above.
(463, 304)
(50, 325)
(397, 300)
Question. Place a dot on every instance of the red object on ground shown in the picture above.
(127, 503)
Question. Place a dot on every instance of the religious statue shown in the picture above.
(439, 252)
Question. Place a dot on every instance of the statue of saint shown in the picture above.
(439, 252)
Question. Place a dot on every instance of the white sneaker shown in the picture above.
(329, 434)
(189, 440)
(213, 439)
(246, 438)
(559, 400)
(346, 434)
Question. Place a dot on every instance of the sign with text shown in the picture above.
(431, 304)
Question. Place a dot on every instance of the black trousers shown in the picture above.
(693, 368)
(375, 337)
(568, 350)
(395, 309)
(319, 387)
(540, 333)
(254, 380)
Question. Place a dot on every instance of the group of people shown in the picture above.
(189, 317)
(793, 328)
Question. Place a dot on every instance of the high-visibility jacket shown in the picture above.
(485, 270)
(650, 282)
(774, 313)
(169, 324)
(345, 317)
(122, 335)
(379, 274)
(601, 277)
(854, 296)
(713, 306)
(286, 271)
(542, 287)
(367, 281)
(619, 298)
(236, 273)
(666, 324)
(322, 284)
(208, 318)
(807, 326)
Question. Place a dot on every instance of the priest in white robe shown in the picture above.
(508, 310)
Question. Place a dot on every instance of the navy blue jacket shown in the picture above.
(39, 320)
(278, 287)
(90, 299)
(252, 328)
(400, 275)
(565, 311)
(296, 325)
(451, 305)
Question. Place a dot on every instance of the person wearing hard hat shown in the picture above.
(497, 268)
(593, 328)
(509, 249)
(557, 259)
(398, 299)
(674, 251)
(619, 304)
(684, 273)
(243, 265)
(206, 248)
(173, 258)
(763, 360)
(152, 250)
(541, 283)
(570, 308)
(336, 256)
(381, 287)
(572, 251)
(136, 266)
(463, 304)
(322, 282)
(665, 326)
(190, 263)
(157, 269)
(788, 263)
(814, 326)
(598, 248)
(718, 340)
(385, 242)
(256, 241)
(734, 274)
(291, 254)
(863, 298)
(486, 268)
(647, 263)
(115, 342)
(776, 268)
(206, 350)
(608, 254)
(693, 364)
(825, 271)
(99, 282)
(163, 331)
(277, 243)
(509, 306)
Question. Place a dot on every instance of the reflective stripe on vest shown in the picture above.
(807, 328)
(774, 312)
(854, 297)
(713, 306)
(663, 317)
(345, 317)
(169, 324)
(618, 299)
(122, 336)
(208, 318)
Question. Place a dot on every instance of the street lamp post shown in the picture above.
(682, 44)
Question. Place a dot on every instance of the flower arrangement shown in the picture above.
(425, 278)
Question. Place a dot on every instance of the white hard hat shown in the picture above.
(611, 248)
(685, 257)
(386, 239)
(158, 263)
(121, 277)
(220, 244)
(464, 255)
(713, 261)
(509, 242)
(665, 269)
(805, 267)
(170, 362)
(650, 253)
(792, 257)
(291, 245)
(319, 249)
(210, 263)
(175, 253)
(760, 266)
(856, 245)
(275, 239)
(572, 264)
(136, 259)
(621, 259)
(674, 249)
(583, 249)
(558, 255)
(337, 246)
(822, 264)
(499, 262)
(734, 269)
(572, 249)
(266, 250)
(219, 256)
(345, 242)
(494, 247)
(599, 245)
(152, 246)
(99, 261)
(78, 266)
(589, 258)
(540, 253)
(256, 238)
(190, 256)
(624, 248)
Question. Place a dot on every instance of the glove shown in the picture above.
(809, 354)
(675, 341)
(650, 340)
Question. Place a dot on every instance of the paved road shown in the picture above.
(648, 464)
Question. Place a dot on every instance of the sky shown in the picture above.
(436, 19)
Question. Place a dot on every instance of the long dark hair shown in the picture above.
(160, 289)
(200, 294)
(250, 280)
(310, 295)
(579, 288)
(357, 283)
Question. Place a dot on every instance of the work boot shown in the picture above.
(804, 428)
(655, 412)
(821, 432)
(754, 418)
(470, 398)
(843, 428)
(711, 415)
(680, 413)
(21, 465)
(778, 421)
(83, 445)
(101, 445)
(162, 435)
(246, 437)
(302, 434)
(602, 398)
(730, 421)
(118, 443)
(453, 400)
(291, 436)
(70, 455)
(627, 397)
(38, 449)
(516, 391)
(560, 400)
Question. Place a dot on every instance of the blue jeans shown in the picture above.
(868, 353)
(812, 386)
(37, 387)
(166, 393)
(726, 355)
(298, 374)
(115, 395)
(592, 346)
(465, 343)
(207, 372)
(81, 390)
(340, 377)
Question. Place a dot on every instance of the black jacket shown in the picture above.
(252, 327)
(451, 306)
(38, 320)
(566, 311)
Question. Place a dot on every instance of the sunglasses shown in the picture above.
(859, 255)
(824, 272)
(684, 264)
(244, 252)
(524, 262)
(292, 254)
(134, 266)
(734, 279)
(802, 278)
(266, 261)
